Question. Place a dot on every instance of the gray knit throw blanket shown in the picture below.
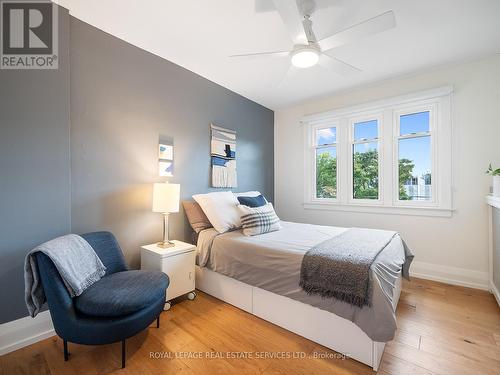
(340, 266)
(75, 260)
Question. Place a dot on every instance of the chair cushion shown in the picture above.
(122, 293)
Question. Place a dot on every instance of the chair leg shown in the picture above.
(66, 352)
(123, 353)
(158, 322)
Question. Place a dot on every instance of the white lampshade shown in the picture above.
(166, 197)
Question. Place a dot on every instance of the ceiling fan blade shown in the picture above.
(290, 73)
(292, 19)
(262, 6)
(377, 24)
(263, 54)
(338, 66)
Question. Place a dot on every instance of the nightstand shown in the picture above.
(178, 262)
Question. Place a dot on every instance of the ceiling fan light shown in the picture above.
(305, 58)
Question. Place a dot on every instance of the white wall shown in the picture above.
(449, 249)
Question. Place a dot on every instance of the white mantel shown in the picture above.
(494, 203)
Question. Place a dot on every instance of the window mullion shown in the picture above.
(343, 171)
(414, 135)
(419, 131)
(326, 146)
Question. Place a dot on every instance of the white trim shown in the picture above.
(378, 105)
(493, 201)
(373, 209)
(386, 112)
(490, 248)
(25, 331)
(450, 275)
(322, 327)
(495, 292)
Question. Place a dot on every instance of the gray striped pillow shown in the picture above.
(258, 220)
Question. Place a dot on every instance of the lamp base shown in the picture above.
(164, 245)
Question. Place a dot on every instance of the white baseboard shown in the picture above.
(450, 275)
(495, 292)
(25, 331)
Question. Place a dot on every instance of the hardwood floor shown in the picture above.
(443, 329)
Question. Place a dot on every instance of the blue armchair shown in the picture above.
(120, 305)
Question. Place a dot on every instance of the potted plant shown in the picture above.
(496, 180)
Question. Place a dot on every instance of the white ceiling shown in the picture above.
(200, 35)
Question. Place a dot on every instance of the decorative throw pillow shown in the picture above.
(251, 193)
(257, 201)
(258, 220)
(221, 209)
(196, 216)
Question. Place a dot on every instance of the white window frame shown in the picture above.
(437, 101)
(352, 142)
(408, 110)
(312, 158)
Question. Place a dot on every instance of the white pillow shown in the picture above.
(221, 209)
(258, 220)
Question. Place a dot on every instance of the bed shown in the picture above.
(260, 274)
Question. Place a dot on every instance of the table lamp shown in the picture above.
(166, 201)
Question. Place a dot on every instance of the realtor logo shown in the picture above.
(29, 34)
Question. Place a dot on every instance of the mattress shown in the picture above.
(272, 261)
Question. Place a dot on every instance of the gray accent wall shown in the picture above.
(123, 100)
(88, 163)
(34, 167)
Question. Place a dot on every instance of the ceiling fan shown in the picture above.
(307, 50)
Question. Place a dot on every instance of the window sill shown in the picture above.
(390, 210)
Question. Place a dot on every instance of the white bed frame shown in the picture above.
(318, 325)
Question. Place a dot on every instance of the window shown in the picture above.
(365, 160)
(391, 156)
(325, 145)
(414, 156)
